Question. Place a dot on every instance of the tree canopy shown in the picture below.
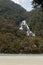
(12, 40)
(38, 3)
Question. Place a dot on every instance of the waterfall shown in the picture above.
(28, 32)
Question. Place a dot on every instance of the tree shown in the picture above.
(38, 3)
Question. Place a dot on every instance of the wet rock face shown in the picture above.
(28, 32)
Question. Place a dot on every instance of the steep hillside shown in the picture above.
(11, 12)
(12, 40)
(35, 21)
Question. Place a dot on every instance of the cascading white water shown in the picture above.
(28, 32)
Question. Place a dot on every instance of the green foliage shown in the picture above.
(10, 12)
(35, 21)
(12, 40)
(38, 3)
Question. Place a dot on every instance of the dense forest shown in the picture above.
(14, 41)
